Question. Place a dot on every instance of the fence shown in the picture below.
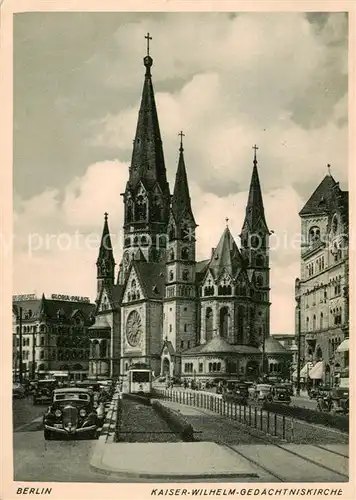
(265, 421)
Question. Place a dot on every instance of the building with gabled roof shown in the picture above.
(322, 291)
(170, 305)
(54, 334)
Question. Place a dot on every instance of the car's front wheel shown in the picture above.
(47, 434)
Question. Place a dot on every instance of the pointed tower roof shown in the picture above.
(320, 200)
(181, 198)
(105, 250)
(226, 256)
(254, 209)
(42, 308)
(147, 163)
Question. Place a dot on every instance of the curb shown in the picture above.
(175, 421)
(107, 434)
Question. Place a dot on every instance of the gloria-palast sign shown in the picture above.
(69, 298)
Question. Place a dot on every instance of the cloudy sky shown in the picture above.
(227, 80)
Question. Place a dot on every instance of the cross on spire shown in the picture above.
(255, 154)
(329, 167)
(181, 140)
(148, 38)
(106, 215)
(227, 221)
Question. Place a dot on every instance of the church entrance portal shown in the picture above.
(166, 367)
(252, 370)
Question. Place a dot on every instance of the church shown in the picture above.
(186, 318)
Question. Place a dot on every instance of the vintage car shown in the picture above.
(43, 391)
(18, 391)
(262, 391)
(279, 394)
(72, 413)
(236, 392)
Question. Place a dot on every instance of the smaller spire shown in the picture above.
(255, 155)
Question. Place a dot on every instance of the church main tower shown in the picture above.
(255, 250)
(147, 196)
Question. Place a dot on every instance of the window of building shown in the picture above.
(185, 254)
(182, 344)
(42, 341)
(321, 321)
(200, 367)
(41, 354)
(185, 274)
(188, 344)
(171, 276)
(314, 322)
(170, 328)
(185, 327)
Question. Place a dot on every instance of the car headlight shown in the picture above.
(82, 412)
(58, 413)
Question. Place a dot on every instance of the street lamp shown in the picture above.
(297, 298)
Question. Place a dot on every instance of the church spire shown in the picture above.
(105, 263)
(147, 164)
(255, 212)
(181, 197)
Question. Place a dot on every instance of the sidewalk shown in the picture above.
(171, 461)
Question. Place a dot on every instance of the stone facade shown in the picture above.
(165, 303)
(322, 290)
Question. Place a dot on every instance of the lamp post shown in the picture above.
(34, 337)
(299, 344)
(20, 351)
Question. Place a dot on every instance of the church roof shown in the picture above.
(254, 209)
(218, 345)
(152, 278)
(147, 163)
(226, 256)
(272, 346)
(321, 199)
(181, 198)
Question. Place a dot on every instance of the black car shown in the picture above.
(43, 391)
(279, 394)
(72, 413)
(236, 392)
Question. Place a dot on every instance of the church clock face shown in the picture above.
(134, 329)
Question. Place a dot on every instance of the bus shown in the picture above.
(140, 379)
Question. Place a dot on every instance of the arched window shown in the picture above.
(314, 322)
(185, 274)
(218, 367)
(259, 281)
(308, 324)
(210, 367)
(185, 253)
(171, 233)
(209, 324)
(103, 347)
(321, 321)
(224, 322)
(171, 254)
(171, 276)
(319, 354)
(140, 208)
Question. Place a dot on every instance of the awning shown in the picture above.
(304, 371)
(344, 346)
(317, 372)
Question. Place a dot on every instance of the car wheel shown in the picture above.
(47, 434)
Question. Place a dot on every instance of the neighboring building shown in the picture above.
(323, 288)
(166, 306)
(54, 336)
(289, 342)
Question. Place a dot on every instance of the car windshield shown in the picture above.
(75, 396)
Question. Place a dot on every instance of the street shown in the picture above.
(38, 460)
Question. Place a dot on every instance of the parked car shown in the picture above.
(279, 394)
(236, 392)
(262, 391)
(43, 390)
(18, 391)
(71, 413)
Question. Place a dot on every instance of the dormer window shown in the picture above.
(335, 224)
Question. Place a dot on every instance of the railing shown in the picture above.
(256, 417)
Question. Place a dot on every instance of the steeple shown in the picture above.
(255, 213)
(42, 310)
(147, 164)
(105, 263)
(181, 198)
